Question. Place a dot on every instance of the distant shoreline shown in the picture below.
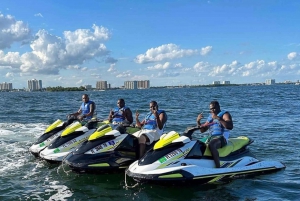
(64, 89)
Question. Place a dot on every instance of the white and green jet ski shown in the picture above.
(72, 136)
(106, 150)
(52, 132)
(176, 158)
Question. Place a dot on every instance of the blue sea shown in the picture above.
(270, 115)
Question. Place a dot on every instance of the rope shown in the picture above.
(127, 186)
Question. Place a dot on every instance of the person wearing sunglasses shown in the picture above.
(219, 123)
(152, 126)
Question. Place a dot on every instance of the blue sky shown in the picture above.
(178, 42)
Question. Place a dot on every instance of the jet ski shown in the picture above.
(106, 150)
(178, 159)
(72, 136)
(52, 132)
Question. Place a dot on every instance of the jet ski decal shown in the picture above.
(110, 145)
(224, 165)
(50, 139)
(174, 155)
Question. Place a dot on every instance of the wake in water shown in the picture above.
(22, 170)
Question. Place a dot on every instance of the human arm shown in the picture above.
(76, 113)
(160, 119)
(128, 115)
(111, 115)
(138, 123)
(203, 127)
(225, 120)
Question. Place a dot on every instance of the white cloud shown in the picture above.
(12, 31)
(79, 82)
(123, 75)
(38, 15)
(51, 53)
(159, 66)
(167, 52)
(206, 50)
(84, 69)
(9, 74)
(111, 68)
(178, 65)
(292, 55)
(202, 67)
(10, 60)
(168, 74)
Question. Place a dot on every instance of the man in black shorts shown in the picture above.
(218, 123)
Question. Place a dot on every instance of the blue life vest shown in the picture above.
(215, 127)
(150, 120)
(85, 108)
(118, 114)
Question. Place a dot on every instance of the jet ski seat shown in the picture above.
(233, 145)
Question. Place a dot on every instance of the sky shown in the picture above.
(169, 42)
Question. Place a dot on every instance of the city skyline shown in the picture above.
(167, 42)
(137, 84)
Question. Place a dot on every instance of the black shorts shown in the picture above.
(221, 138)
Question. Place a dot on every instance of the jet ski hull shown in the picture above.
(62, 146)
(200, 175)
(45, 139)
(176, 159)
(106, 154)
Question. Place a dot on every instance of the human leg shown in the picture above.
(142, 144)
(145, 137)
(213, 146)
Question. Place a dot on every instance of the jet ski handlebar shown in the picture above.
(190, 130)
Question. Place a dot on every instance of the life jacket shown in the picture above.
(85, 108)
(118, 114)
(150, 121)
(215, 127)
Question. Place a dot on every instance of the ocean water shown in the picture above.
(270, 115)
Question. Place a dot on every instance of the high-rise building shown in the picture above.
(130, 84)
(88, 87)
(226, 82)
(216, 82)
(101, 85)
(270, 81)
(6, 86)
(141, 84)
(34, 85)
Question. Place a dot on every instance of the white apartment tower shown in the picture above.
(6, 86)
(141, 84)
(34, 85)
(270, 81)
(101, 85)
(130, 84)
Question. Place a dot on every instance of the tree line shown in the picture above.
(60, 88)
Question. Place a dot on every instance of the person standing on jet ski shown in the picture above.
(86, 110)
(218, 123)
(120, 114)
(152, 126)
